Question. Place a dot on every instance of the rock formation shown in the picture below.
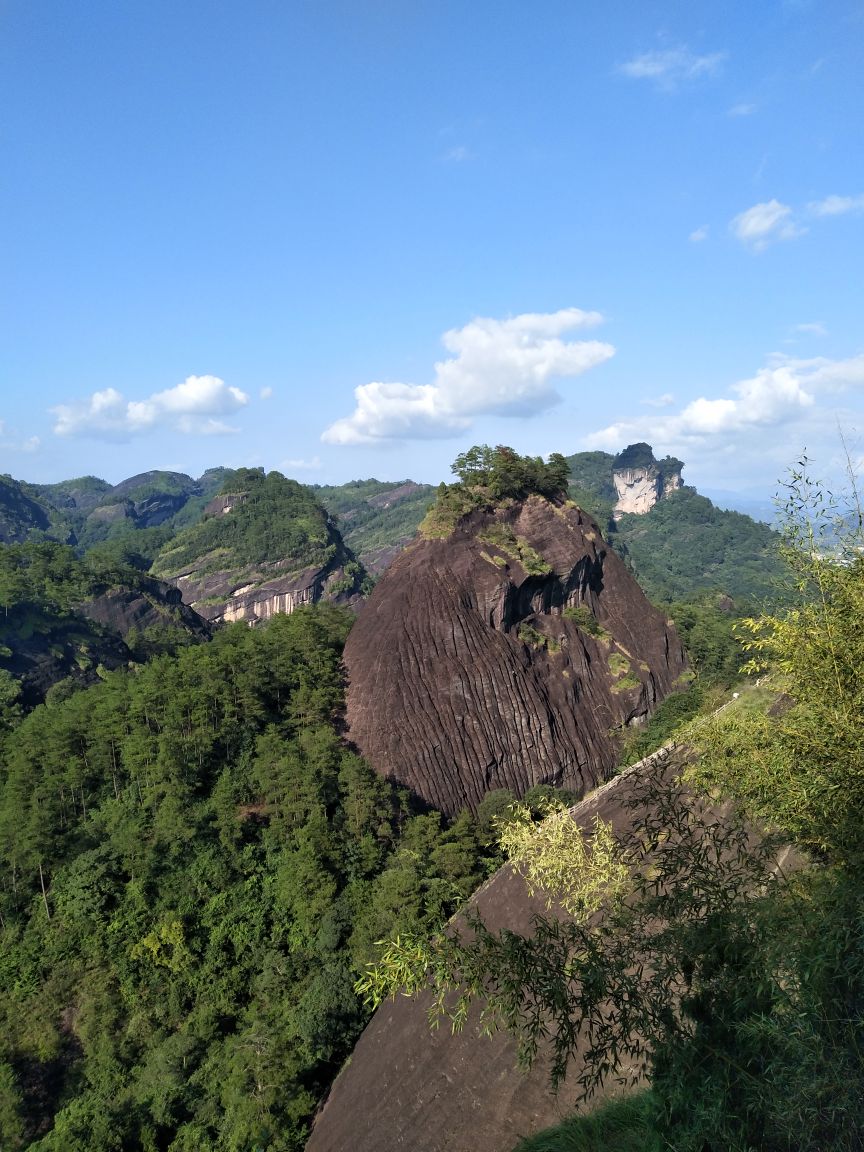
(40, 647)
(508, 654)
(640, 480)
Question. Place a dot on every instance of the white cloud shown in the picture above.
(497, 367)
(671, 66)
(301, 465)
(784, 393)
(814, 329)
(266, 393)
(699, 235)
(660, 401)
(836, 205)
(764, 223)
(742, 109)
(193, 407)
(457, 155)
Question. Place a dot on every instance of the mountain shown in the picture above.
(66, 620)
(377, 519)
(265, 546)
(20, 514)
(503, 649)
(685, 547)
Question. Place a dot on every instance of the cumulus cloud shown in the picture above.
(195, 407)
(783, 392)
(699, 235)
(742, 109)
(497, 367)
(815, 328)
(836, 205)
(762, 224)
(266, 393)
(672, 66)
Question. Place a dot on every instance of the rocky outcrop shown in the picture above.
(255, 593)
(152, 605)
(19, 513)
(118, 625)
(640, 480)
(506, 655)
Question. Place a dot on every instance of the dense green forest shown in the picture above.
(193, 870)
(686, 546)
(272, 519)
(373, 515)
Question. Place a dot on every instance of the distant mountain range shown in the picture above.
(235, 541)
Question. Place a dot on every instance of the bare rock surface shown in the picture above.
(505, 655)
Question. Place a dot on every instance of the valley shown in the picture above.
(235, 759)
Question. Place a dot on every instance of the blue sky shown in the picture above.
(351, 239)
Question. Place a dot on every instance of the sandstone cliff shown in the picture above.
(505, 655)
(640, 480)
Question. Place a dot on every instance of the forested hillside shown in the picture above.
(193, 871)
(377, 519)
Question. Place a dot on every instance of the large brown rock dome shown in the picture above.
(507, 654)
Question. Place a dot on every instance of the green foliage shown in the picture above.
(374, 515)
(556, 858)
(584, 618)
(591, 473)
(490, 475)
(639, 455)
(685, 546)
(800, 768)
(506, 474)
(502, 537)
(619, 1125)
(738, 987)
(273, 519)
(216, 867)
(666, 721)
(19, 513)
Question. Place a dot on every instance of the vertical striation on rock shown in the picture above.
(507, 655)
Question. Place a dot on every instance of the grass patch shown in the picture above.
(625, 1125)
(502, 537)
(618, 665)
(626, 684)
(584, 618)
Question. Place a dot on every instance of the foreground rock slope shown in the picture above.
(407, 1086)
(507, 653)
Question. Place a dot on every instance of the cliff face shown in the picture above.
(505, 656)
(639, 489)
